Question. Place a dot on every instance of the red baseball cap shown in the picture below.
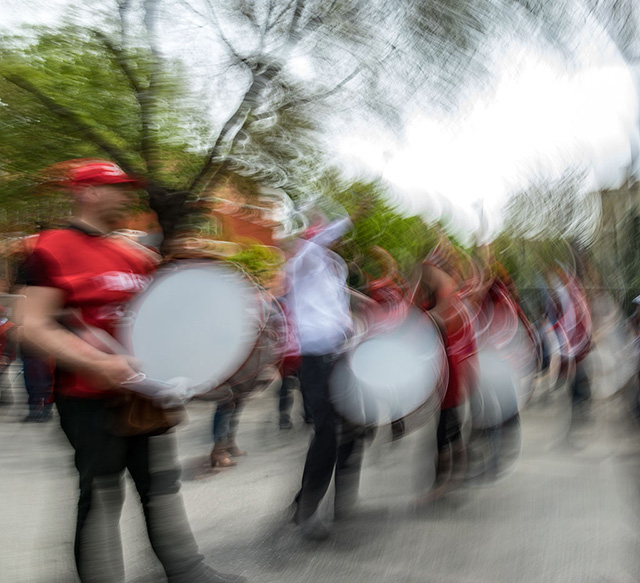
(89, 171)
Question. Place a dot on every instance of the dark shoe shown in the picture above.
(314, 529)
(45, 414)
(33, 417)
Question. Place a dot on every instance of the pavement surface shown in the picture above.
(565, 512)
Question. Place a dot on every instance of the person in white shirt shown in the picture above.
(319, 302)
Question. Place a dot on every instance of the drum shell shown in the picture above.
(268, 351)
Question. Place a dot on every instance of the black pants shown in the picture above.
(335, 445)
(580, 384)
(449, 429)
(38, 380)
(285, 401)
(101, 458)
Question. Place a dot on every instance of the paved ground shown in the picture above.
(567, 512)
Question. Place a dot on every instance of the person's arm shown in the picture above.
(44, 333)
(332, 232)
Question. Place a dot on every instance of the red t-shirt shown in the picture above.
(8, 339)
(98, 275)
(461, 349)
(460, 346)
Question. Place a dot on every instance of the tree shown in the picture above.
(111, 91)
(72, 94)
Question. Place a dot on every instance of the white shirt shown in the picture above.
(318, 296)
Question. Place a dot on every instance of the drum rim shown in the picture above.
(125, 328)
(436, 394)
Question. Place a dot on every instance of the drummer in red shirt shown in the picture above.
(438, 293)
(85, 268)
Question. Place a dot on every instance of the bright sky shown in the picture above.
(537, 121)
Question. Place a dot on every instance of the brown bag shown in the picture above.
(137, 415)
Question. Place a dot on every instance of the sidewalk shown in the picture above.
(567, 513)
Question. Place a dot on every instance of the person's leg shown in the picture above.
(38, 383)
(220, 429)
(152, 463)
(306, 407)
(220, 421)
(155, 469)
(452, 456)
(348, 466)
(580, 385)
(321, 457)
(100, 458)
(286, 401)
(234, 421)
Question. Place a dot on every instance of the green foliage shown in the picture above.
(407, 239)
(261, 262)
(77, 71)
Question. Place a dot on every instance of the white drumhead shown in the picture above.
(495, 399)
(390, 374)
(505, 379)
(199, 321)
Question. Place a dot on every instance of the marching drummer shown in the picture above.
(438, 292)
(318, 300)
(83, 268)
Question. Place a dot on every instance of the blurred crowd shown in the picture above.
(372, 348)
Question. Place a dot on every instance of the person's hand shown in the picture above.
(112, 371)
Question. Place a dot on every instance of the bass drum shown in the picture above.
(393, 375)
(198, 321)
(507, 364)
(261, 366)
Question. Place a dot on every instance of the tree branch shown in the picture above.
(123, 8)
(272, 23)
(324, 95)
(146, 98)
(223, 36)
(73, 119)
(242, 112)
(121, 59)
(142, 95)
(236, 120)
(295, 20)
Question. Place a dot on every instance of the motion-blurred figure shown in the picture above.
(224, 429)
(570, 316)
(319, 304)
(82, 267)
(38, 382)
(37, 369)
(438, 293)
(8, 346)
(289, 371)
(508, 361)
